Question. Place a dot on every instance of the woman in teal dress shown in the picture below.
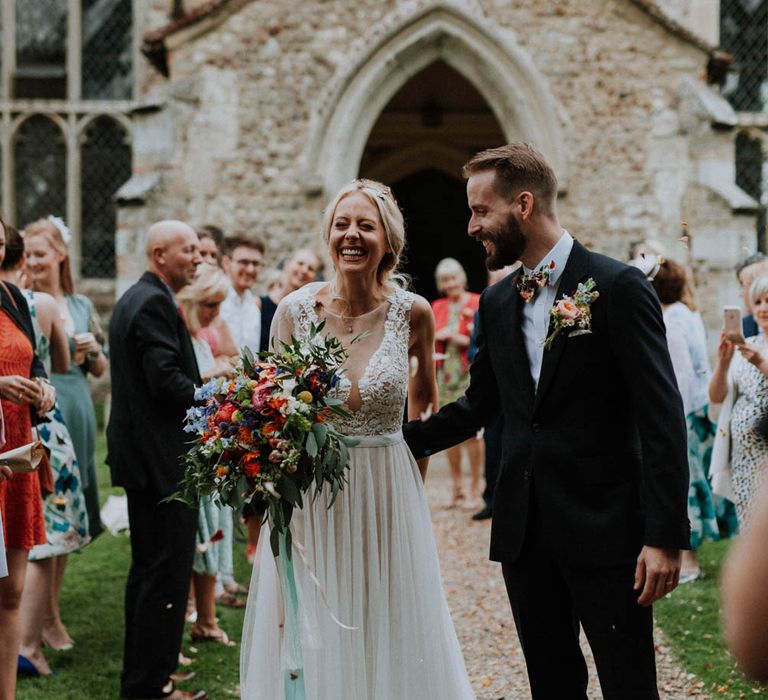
(48, 268)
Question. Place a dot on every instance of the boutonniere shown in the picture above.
(573, 311)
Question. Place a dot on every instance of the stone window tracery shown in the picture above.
(66, 96)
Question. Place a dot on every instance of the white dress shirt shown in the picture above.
(243, 318)
(535, 323)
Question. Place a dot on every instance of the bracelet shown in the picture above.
(43, 380)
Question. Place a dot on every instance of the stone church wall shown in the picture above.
(224, 140)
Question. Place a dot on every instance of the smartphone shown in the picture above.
(732, 324)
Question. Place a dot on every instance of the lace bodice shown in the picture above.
(374, 386)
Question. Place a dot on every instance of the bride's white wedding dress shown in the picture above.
(373, 551)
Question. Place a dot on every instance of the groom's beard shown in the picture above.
(507, 244)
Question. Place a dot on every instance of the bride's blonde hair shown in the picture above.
(391, 219)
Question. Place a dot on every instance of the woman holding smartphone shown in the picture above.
(738, 394)
(46, 241)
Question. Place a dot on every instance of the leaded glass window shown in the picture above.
(106, 164)
(41, 56)
(40, 170)
(107, 49)
(744, 34)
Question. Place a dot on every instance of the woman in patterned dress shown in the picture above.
(201, 302)
(688, 349)
(66, 523)
(454, 317)
(25, 395)
(739, 389)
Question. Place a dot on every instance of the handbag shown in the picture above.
(26, 458)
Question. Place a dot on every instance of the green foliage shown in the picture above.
(92, 609)
(690, 619)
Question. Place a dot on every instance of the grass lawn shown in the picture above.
(92, 609)
(690, 618)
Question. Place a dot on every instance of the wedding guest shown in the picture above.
(241, 259)
(454, 314)
(66, 520)
(747, 271)
(5, 473)
(25, 395)
(154, 374)
(241, 312)
(744, 599)
(299, 269)
(738, 393)
(688, 349)
(201, 302)
(46, 242)
(211, 238)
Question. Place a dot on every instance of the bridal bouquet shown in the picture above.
(264, 434)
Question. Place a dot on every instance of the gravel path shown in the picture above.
(480, 609)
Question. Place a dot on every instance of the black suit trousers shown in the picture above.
(550, 600)
(162, 549)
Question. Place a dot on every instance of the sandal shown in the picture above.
(236, 587)
(219, 636)
(230, 600)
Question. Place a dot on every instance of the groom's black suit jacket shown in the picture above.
(154, 373)
(601, 445)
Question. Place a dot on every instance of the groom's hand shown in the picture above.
(657, 573)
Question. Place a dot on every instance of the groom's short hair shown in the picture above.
(519, 166)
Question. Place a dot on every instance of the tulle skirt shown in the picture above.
(374, 556)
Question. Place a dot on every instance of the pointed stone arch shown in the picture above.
(489, 57)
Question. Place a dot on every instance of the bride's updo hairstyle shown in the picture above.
(391, 218)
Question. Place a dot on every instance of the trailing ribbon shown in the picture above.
(294, 671)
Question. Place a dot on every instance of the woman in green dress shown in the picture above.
(45, 242)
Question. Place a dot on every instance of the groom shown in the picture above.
(589, 512)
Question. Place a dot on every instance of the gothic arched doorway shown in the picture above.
(427, 131)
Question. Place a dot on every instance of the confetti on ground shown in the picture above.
(480, 609)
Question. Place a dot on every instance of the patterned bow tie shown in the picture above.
(529, 285)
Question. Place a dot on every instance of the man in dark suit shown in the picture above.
(154, 373)
(589, 512)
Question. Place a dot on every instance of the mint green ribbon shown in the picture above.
(294, 671)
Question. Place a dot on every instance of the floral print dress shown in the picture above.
(66, 519)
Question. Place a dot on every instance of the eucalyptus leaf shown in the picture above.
(311, 445)
(321, 433)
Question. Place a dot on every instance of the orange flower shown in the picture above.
(244, 434)
(251, 464)
(269, 429)
(222, 471)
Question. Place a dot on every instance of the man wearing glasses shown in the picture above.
(241, 259)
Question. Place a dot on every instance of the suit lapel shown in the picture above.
(516, 342)
(576, 270)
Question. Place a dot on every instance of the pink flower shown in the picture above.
(567, 310)
(276, 456)
(261, 395)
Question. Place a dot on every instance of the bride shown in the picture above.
(373, 623)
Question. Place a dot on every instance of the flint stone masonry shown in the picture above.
(246, 131)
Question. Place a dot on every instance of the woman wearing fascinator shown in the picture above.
(48, 267)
